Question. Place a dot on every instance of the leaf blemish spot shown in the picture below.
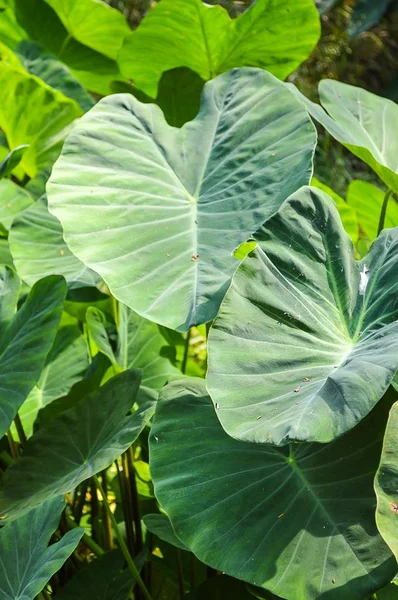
(297, 389)
(195, 257)
(394, 508)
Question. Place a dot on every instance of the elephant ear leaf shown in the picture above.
(361, 121)
(171, 205)
(26, 341)
(386, 484)
(306, 340)
(12, 160)
(27, 562)
(74, 445)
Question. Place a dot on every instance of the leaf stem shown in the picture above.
(12, 444)
(383, 211)
(19, 427)
(122, 543)
(186, 352)
(86, 539)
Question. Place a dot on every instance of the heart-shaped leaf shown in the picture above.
(361, 121)
(25, 343)
(276, 36)
(38, 249)
(306, 340)
(66, 364)
(367, 200)
(386, 484)
(75, 445)
(298, 520)
(171, 204)
(27, 562)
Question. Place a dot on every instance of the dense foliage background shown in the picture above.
(166, 433)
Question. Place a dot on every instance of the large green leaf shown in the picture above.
(160, 525)
(11, 160)
(53, 72)
(25, 343)
(386, 484)
(298, 520)
(306, 340)
(38, 248)
(273, 35)
(66, 363)
(13, 200)
(367, 200)
(390, 592)
(84, 34)
(10, 31)
(73, 446)
(101, 579)
(33, 113)
(26, 560)
(347, 213)
(362, 122)
(171, 204)
(9, 294)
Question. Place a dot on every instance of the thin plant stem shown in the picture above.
(107, 522)
(135, 506)
(115, 310)
(122, 543)
(77, 509)
(186, 352)
(180, 574)
(86, 539)
(19, 427)
(127, 504)
(383, 211)
(12, 444)
(193, 572)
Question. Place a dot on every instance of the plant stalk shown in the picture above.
(186, 352)
(86, 539)
(19, 427)
(122, 543)
(383, 212)
(135, 506)
(12, 444)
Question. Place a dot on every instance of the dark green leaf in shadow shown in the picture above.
(160, 525)
(220, 587)
(25, 343)
(306, 339)
(26, 561)
(75, 445)
(298, 521)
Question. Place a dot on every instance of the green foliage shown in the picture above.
(198, 352)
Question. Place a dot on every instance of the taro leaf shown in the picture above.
(87, 43)
(178, 95)
(5, 256)
(102, 579)
(386, 484)
(33, 113)
(25, 343)
(171, 204)
(66, 364)
(38, 248)
(26, 560)
(347, 213)
(306, 340)
(298, 521)
(220, 587)
(367, 200)
(390, 592)
(366, 14)
(9, 294)
(37, 186)
(273, 35)
(53, 72)
(10, 31)
(12, 160)
(13, 200)
(74, 445)
(361, 121)
(160, 525)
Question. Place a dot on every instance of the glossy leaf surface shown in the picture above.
(306, 339)
(273, 35)
(170, 204)
(13, 200)
(298, 521)
(386, 484)
(76, 444)
(26, 560)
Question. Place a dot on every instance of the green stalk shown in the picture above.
(186, 352)
(383, 211)
(127, 504)
(19, 427)
(86, 539)
(122, 543)
(134, 495)
(107, 523)
(12, 444)
(180, 574)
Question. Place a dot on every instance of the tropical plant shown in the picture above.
(198, 339)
